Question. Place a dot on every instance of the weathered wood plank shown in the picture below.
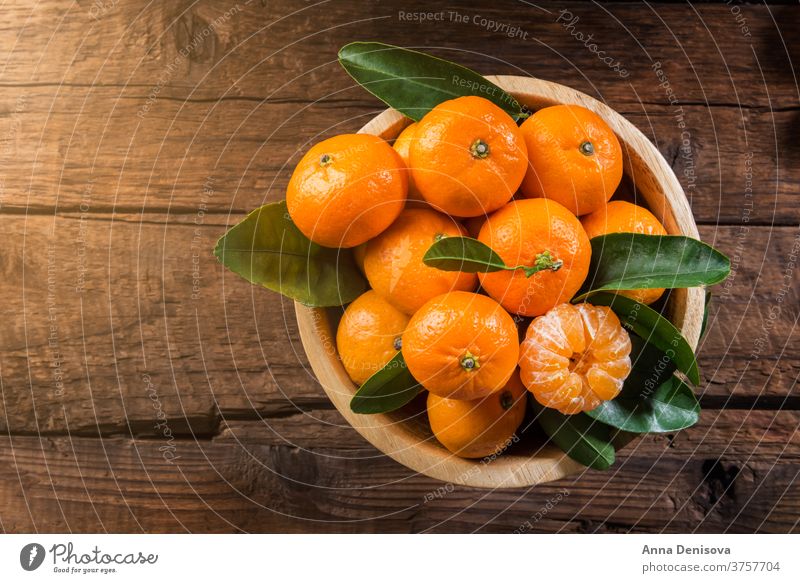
(107, 149)
(732, 473)
(109, 324)
(255, 48)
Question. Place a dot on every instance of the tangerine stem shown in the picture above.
(586, 148)
(470, 362)
(479, 149)
(543, 261)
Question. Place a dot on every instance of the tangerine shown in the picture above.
(468, 157)
(619, 216)
(369, 335)
(533, 232)
(574, 158)
(393, 260)
(574, 357)
(347, 189)
(461, 345)
(482, 427)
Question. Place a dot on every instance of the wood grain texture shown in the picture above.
(219, 113)
(706, 55)
(733, 473)
(112, 141)
(64, 146)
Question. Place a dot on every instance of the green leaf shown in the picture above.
(670, 407)
(652, 399)
(623, 261)
(579, 436)
(472, 256)
(653, 328)
(413, 83)
(267, 249)
(650, 366)
(463, 254)
(388, 389)
(705, 314)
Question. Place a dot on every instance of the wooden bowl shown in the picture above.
(404, 435)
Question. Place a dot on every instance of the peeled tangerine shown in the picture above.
(574, 357)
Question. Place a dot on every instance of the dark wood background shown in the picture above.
(146, 389)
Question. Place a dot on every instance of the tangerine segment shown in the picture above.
(468, 157)
(574, 158)
(619, 216)
(369, 335)
(482, 427)
(574, 357)
(461, 345)
(522, 233)
(346, 190)
(393, 260)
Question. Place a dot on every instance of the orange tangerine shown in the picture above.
(393, 260)
(468, 157)
(461, 345)
(528, 231)
(369, 335)
(346, 190)
(574, 158)
(482, 427)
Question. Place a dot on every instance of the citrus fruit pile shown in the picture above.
(483, 264)
(534, 194)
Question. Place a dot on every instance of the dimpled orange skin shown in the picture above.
(402, 145)
(393, 260)
(575, 357)
(559, 169)
(369, 335)
(619, 216)
(482, 427)
(468, 157)
(347, 189)
(461, 345)
(518, 233)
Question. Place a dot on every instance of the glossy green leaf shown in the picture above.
(622, 261)
(652, 399)
(579, 436)
(653, 328)
(463, 254)
(670, 407)
(650, 366)
(472, 256)
(705, 314)
(267, 249)
(413, 83)
(388, 389)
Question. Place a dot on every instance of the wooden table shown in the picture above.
(144, 388)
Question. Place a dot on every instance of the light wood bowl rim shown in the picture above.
(426, 456)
